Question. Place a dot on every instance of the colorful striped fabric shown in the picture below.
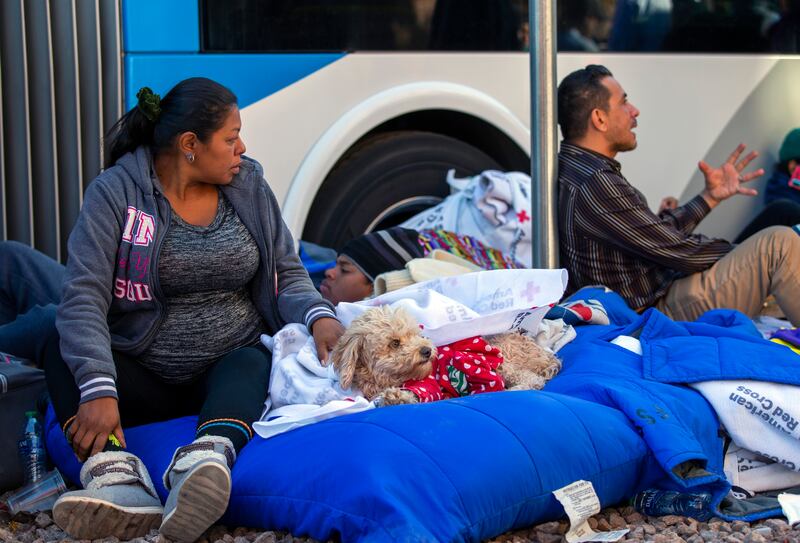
(466, 247)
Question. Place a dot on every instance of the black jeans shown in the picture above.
(777, 213)
(228, 396)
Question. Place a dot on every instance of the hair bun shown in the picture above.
(149, 103)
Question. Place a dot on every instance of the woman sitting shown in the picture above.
(178, 262)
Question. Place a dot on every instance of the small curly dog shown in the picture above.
(382, 349)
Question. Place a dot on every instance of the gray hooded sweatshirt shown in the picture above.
(111, 297)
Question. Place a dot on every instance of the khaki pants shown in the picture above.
(765, 263)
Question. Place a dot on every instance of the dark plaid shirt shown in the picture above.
(609, 236)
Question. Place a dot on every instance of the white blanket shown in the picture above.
(474, 304)
(297, 374)
(760, 417)
(302, 390)
(754, 473)
(493, 207)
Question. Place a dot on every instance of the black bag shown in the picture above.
(21, 387)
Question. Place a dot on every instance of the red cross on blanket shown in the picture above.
(464, 367)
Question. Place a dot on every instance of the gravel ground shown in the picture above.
(669, 529)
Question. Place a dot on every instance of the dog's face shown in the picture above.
(382, 348)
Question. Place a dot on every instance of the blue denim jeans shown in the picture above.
(30, 289)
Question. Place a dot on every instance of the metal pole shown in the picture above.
(544, 132)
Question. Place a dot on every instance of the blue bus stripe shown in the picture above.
(250, 76)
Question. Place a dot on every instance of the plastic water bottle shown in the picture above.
(32, 455)
(656, 503)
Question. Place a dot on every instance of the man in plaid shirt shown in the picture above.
(609, 235)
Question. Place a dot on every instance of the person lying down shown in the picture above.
(387, 260)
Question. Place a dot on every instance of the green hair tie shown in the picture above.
(149, 103)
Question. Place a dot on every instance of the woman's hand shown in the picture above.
(97, 420)
(326, 332)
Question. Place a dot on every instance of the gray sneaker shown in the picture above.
(199, 480)
(118, 500)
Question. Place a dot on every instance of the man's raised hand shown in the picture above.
(727, 180)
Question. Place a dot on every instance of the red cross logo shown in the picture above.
(522, 216)
(530, 291)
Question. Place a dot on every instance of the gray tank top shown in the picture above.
(204, 273)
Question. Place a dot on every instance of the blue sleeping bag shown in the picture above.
(472, 468)
(457, 470)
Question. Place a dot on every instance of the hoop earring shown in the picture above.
(190, 157)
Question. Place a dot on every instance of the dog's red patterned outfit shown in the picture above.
(461, 368)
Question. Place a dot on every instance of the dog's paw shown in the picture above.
(397, 396)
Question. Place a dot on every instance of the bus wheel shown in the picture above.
(385, 180)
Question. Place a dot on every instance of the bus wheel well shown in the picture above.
(461, 126)
(386, 179)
